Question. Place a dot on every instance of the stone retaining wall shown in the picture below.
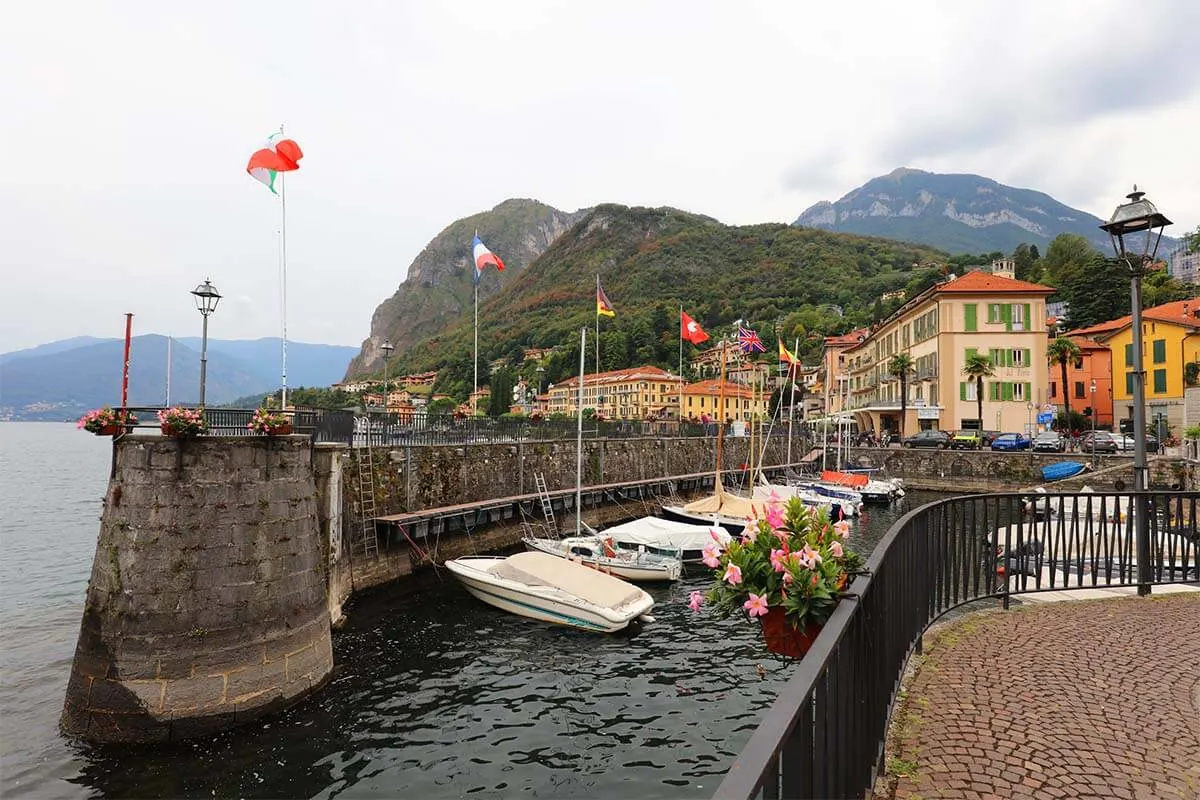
(206, 605)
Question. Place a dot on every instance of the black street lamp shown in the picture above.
(1095, 455)
(207, 298)
(1137, 216)
(387, 347)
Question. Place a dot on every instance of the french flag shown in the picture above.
(484, 257)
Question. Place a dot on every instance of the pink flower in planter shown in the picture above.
(775, 516)
(733, 574)
(779, 560)
(712, 556)
(694, 601)
(836, 550)
(788, 579)
(841, 529)
(756, 605)
(811, 555)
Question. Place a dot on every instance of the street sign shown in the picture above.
(1045, 418)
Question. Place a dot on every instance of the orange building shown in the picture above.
(1094, 364)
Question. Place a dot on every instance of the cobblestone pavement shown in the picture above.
(1080, 699)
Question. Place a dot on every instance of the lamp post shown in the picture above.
(386, 348)
(207, 298)
(540, 372)
(1137, 216)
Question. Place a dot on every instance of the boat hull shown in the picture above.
(636, 567)
(520, 600)
(679, 514)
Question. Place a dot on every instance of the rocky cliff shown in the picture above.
(438, 289)
(957, 213)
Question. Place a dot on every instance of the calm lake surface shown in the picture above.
(434, 694)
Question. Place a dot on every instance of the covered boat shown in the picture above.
(667, 536)
(1062, 469)
(552, 589)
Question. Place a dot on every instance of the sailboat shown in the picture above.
(729, 511)
(601, 551)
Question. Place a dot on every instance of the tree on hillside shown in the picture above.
(1063, 351)
(901, 366)
(1093, 292)
(976, 368)
(1160, 287)
(1026, 257)
(1067, 255)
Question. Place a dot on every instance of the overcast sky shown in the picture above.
(125, 128)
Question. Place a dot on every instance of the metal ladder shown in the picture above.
(539, 481)
(366, 503)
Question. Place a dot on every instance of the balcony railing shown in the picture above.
(824, 735)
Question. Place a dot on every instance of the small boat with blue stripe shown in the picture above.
(544, 587)
(1061, 470)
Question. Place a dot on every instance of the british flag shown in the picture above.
(749, 342)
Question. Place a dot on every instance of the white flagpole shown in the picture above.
(681, 381)
(597, 325)
(283, 279)
(579, 430)
(168, 399)
(475, 352)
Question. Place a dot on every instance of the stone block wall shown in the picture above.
(206, 605)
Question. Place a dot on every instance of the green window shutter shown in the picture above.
(1129, 355)
(1008, 391)
(1129, 383)
(994, 355)
(1160, 381)
(969, 321)
(1006, 314)
(1028, 392)
(1160, 351)
(962, 390)
(1025, 351)
(1029, 319)
(1006, 357)
(993, 390)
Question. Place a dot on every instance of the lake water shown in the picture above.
(434, 694)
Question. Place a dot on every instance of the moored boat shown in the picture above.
(552, 589)
(667, 537)
(601, 552)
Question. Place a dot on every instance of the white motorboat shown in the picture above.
(552, 589)
(601, 552)
(767, 491)
(667, 537)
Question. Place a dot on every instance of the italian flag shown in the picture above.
(280, 155)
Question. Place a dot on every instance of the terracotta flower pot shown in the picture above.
(783, 638)
(109, 430)
(281, 430)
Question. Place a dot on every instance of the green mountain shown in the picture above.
(437, 290)
(794, 281)
(956, 213)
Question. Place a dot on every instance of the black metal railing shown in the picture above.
(824, 735)
(378, 429)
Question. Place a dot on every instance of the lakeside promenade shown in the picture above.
(1084, 698)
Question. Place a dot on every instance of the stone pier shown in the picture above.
(207, 600)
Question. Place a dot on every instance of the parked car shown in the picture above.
(1098, 442)
(989, 436)
(930, 438)
(1049, 441)
(1125, 442)
(967, 440)
(1011, 441)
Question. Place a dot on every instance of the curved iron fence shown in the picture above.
(824, 735)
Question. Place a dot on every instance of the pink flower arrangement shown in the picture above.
(180, 421)
(791, 559)
(98, 419)
(269, 422)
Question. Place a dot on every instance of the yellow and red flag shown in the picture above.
(603, 307)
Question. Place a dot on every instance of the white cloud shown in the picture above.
(127, 125)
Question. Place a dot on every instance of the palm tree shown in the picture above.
(901, 366)
(978, 367)
(1063, 351)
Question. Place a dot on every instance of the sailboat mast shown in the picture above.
(793, 375)
(720, 420)
(579, 429)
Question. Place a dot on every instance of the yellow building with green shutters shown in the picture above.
(1170, 357)
(981, 312)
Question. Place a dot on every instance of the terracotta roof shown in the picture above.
(848, 338)
(1086, 344)
(979, 282)
(713, 389)
(643, 373)
(1180, 312)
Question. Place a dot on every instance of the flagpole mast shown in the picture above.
(792, 375)
(597, 327)
(168, 398)
(475, 358)
(283, 273)
(681, 381)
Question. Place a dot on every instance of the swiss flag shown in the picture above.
(690, 329)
